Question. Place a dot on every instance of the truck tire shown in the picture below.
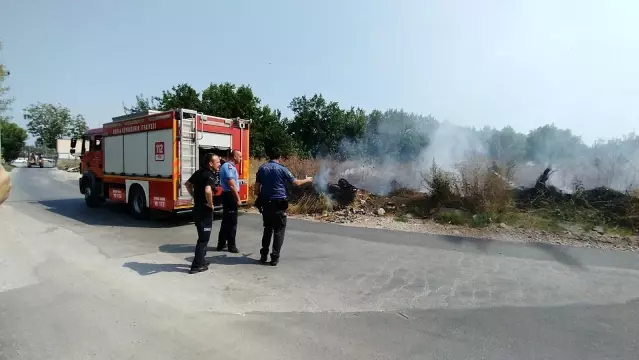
(90, 197)
(137, 203)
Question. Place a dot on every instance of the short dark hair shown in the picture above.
(274, 153)
(208, 158)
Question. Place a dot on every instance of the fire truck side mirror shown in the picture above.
(73, 143)
(72, 151)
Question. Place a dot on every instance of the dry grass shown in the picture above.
(311, 204)
(475, 188)
(300, 168)
(476, 194)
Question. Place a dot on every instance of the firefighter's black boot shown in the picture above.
(263, 256)
(198, 269)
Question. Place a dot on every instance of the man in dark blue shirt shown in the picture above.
(270, 192)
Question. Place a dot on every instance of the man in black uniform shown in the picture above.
(270, 192)
(202, 185)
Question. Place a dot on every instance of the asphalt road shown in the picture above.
(80, 283)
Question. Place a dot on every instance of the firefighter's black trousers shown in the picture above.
(274, 217)
(203, 223)
(228, 228)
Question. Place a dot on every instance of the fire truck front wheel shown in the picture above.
(137, 203)
(90, 197)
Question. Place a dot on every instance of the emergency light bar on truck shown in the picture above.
(144, 159)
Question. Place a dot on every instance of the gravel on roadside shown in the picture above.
(501, 232)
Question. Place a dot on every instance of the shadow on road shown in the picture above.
(180, 248)
(183, 248)
(224, 259)
(110, 214)
(150, 269)
(233, 260)
(115, 214)
(479, 244)
(557, 252)
(447, 242)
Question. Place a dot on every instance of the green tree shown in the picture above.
(142, 104)
(228, 101)
(5, 101)
(397, 133)
(319, 127)
(13, 139)
(48, 122)
(77, 127)
(507, 146)
(180, 96)
(269, 130)
(548, 144)
(12, 136)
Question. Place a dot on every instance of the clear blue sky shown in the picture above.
(492, 62)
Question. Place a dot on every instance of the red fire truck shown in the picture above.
(144, 159)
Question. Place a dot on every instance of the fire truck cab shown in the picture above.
(144, 159)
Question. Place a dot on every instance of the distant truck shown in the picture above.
(144, 159)
(35, 160)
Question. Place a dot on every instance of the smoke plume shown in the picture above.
(398, 150)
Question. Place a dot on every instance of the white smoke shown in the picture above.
(448, 146)
(370, 166)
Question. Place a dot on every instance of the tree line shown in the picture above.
(46, 123)
(12, 136)
(319, 127)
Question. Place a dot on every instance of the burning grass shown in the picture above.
(308, 202)
(475, 193)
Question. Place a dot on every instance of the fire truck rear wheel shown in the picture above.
(137, 203)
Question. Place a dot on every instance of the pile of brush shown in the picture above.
(314, 198)
(604, 204)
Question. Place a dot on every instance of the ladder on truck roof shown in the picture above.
(189, 136)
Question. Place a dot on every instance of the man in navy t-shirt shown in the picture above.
(270, 192)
